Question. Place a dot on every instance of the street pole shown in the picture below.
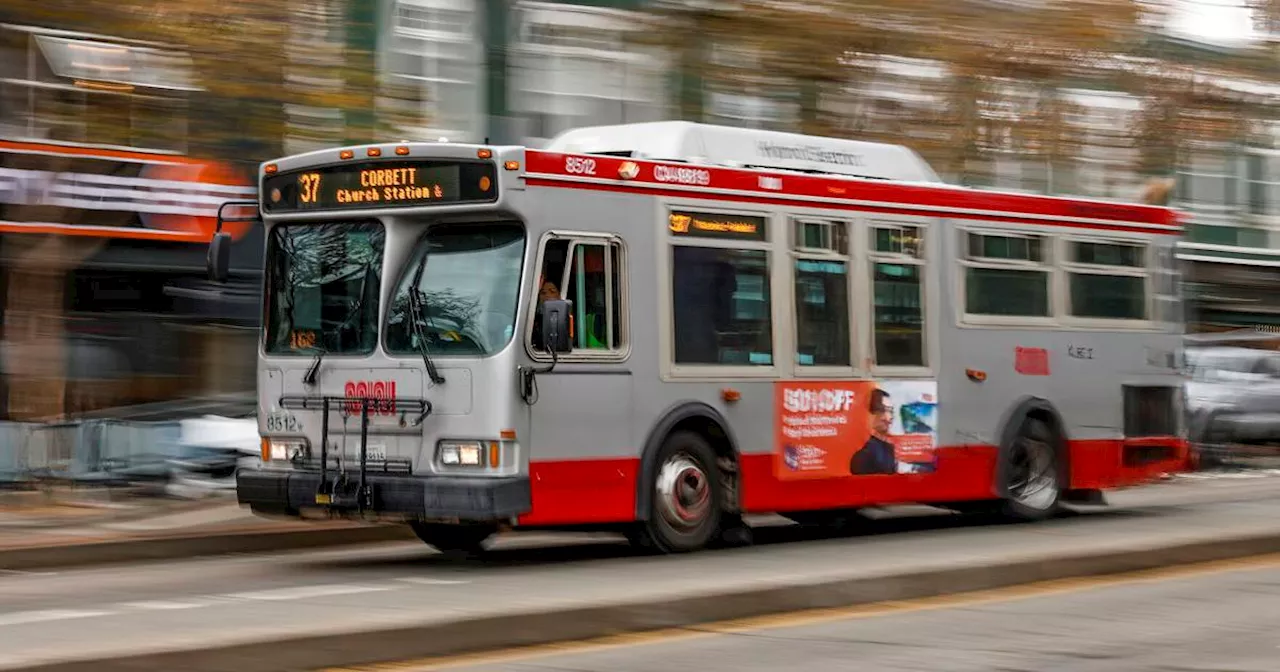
(361, 70)
(499, 125)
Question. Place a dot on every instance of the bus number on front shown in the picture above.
(308, 187)
(579, 166)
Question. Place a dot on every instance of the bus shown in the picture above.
(661, 328)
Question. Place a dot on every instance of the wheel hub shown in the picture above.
(1034, 481)
(683, 492)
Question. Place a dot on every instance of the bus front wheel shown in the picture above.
(456, 540)
(684, 510)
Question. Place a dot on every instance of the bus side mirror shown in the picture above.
(219, 260)
(557, 325)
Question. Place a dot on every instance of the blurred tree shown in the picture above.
(1266, 20)
(819, 59)
(246, 58)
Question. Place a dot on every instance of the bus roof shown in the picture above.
(747, 148)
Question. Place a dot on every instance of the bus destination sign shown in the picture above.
(381, 184)
(708, 225)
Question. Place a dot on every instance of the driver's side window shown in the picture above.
(589, 273)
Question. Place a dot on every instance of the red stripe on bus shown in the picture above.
(884, 210)
(604, 171)
(573, 492)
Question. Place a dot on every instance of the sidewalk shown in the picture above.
(69, 507)
(87, 533)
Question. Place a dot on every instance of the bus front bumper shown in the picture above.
(287, 492)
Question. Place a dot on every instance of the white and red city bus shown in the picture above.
(661, 328)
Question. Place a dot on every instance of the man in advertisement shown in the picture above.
(877, 455)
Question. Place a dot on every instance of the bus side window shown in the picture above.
(820, 251)
(591, 283)
(588, 273)
(897, 279)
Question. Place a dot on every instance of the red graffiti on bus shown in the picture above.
(381, 393)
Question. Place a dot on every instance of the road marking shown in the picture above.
(816, 616)
(44, 616)
(21, 572)
(161, 605)
(431, 582)
(305, 592)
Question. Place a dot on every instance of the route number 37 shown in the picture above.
(283, 422)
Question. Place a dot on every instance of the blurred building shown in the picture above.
(568, 64)
(104, 223)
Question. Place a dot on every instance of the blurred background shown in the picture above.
(124, 123)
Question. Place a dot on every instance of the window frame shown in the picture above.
(1067, 266)
(575, 237)
(796, 252)
(964, 263)
(926, 304)
(1266, 179)
(666, 244)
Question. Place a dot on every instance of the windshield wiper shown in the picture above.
(309, 378)
(417, 312)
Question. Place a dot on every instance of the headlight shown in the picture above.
(279, 450)
(461, 453)
(478, 455)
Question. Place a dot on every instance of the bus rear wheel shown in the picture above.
(684, 506)
(453, 540)
(1033, 478)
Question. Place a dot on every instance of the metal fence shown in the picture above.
(90, 452)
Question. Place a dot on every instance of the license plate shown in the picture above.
(377, 452)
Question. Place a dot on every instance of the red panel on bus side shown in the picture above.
(570, 492)
(1100, 464)
(567, 492)
(1095, 464)
(963, 473)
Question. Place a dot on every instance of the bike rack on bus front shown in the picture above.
(328, 492)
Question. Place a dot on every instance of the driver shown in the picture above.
(548, 290)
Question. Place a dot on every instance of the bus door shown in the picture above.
(583, 408)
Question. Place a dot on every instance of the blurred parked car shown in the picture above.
(210, 451)
(1233, 399)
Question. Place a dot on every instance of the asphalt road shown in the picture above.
(1214, 622)
(77, 614)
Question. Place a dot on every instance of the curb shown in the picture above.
(93, 553)
(513, 630)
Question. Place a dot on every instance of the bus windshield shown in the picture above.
(322, 288)
(469, 288)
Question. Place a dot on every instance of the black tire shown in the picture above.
(684, 507)
(1211, 443)
(453, 540)
(1032, 475)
